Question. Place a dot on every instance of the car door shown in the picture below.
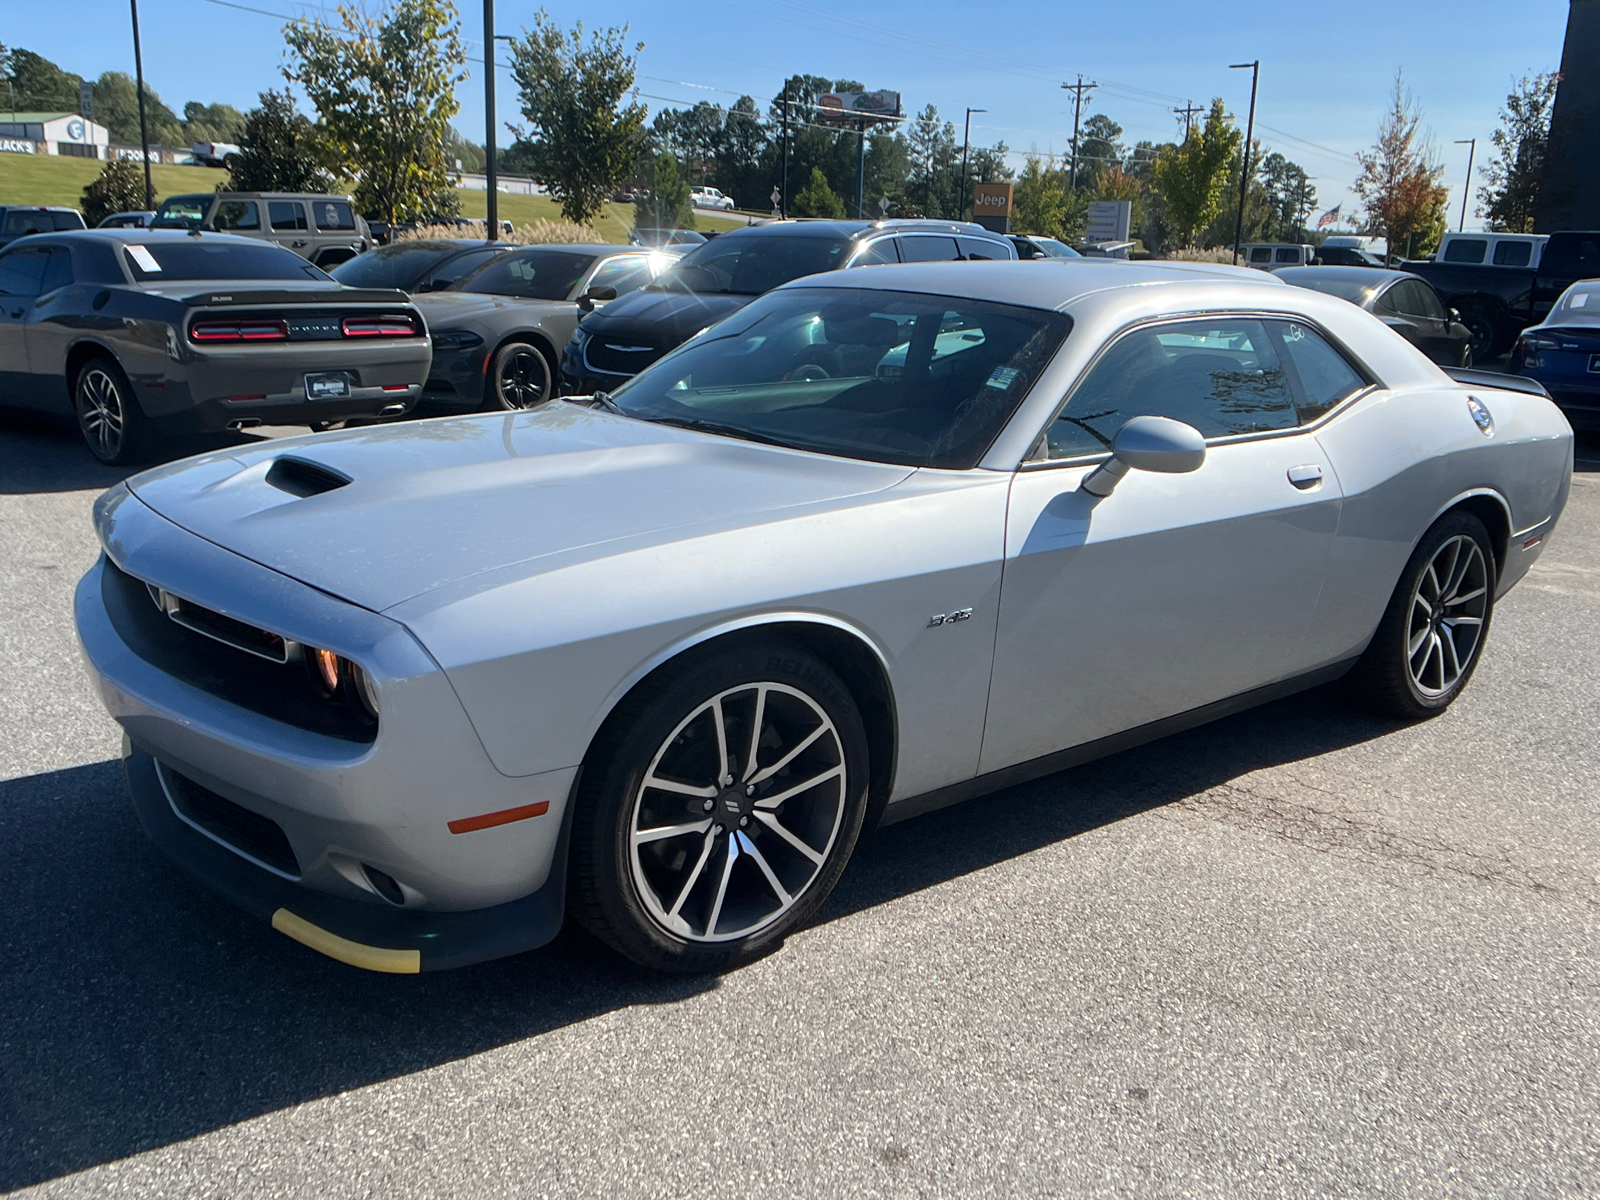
(335, 231)
(1175, 591)
(1445, 346)
(289, 226)
(22, 270)
(49, 330)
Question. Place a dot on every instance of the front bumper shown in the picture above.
(341, 804)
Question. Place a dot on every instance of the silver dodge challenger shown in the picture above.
(876, 543)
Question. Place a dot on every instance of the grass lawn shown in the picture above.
(59, 180)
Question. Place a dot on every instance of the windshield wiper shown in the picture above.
(701, 425)
(599, 400)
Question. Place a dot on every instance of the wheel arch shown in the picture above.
(79, 355)
(854, 656)
(1490, 507)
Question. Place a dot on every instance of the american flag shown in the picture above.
(1331, 217)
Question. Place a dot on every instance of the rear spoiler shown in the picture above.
(332, 295)
(1494, 379)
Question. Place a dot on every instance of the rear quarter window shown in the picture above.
(1466, 250)
(333, 216)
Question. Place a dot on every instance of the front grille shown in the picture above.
(258, 838)
(624, 355)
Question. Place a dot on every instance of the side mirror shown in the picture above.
(1157, 444)
(596, 295)
(1455, 314)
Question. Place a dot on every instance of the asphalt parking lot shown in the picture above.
(1301, 952)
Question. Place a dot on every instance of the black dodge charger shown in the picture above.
(142, 333)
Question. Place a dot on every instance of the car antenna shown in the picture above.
(195, 232)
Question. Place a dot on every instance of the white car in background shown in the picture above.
(710, 197)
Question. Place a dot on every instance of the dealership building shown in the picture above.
(53, 133)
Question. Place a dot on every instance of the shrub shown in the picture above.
(817, 199)
(542, 232)
(118, 188)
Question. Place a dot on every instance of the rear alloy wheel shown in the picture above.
(519, 377)
(108, 416)
(723, 811)
(1485, 335)
(1432, 634)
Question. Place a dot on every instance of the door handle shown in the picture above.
(299, 243)
(1306, 477)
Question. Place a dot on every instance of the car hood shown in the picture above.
(431, 503)
(443, 309)
(665, 318)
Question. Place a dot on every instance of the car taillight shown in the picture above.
(239, 331)
(389, 325)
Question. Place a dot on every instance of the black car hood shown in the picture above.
(664, 319)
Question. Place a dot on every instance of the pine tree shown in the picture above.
(817, 199)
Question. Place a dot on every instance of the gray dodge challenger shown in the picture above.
(142, 333)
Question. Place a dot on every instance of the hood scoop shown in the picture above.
(301, 477)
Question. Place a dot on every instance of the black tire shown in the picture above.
(725, 871)
(1424, 652)
(1485, 332)
(109, 417)
(519, 376)
(1466, 357)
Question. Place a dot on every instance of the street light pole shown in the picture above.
(1249, 136)
(966, 136)
(783, 203)
(492, 212)
(144, 129)
(1467, 191)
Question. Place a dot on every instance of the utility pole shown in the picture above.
(966, 188)
(144, 128)
(1249, 135)
(492, 211)
(1187, 112)
(861, 166)
(783, 205)
(1467, 191)
(1078, 89)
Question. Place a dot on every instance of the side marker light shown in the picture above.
(504, 817)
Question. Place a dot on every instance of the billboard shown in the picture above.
(848, 107)
(1109, 221)
(992, 200)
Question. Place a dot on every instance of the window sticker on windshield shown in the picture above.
(1581, 300)
(146, 260)
(1002, 377)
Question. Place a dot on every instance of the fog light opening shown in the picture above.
(325, 665)
(384, 884)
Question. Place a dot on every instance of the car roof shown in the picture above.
(145, 237)
(813, 227)
(39, 207)
(1372, 276)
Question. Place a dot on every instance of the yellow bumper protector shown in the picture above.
(368, 958)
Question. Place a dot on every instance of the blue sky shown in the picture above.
(1325, 75)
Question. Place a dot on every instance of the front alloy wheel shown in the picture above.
(721, 809)
(519, 377)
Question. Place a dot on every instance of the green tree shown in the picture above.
(384, 91)
(817, 199)
(116, 106)
(1100, 149)
(935, 183)
(664, 203)
(212, 122)
(1510, 193)
(1399, 182)
(278, 150)
(1190, 178)
(38, 85)
(118, 188)
(584, 143)
(1039, 200)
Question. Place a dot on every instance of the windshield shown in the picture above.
(1354, 290)
(894, 377)
(750, 266)
(392, 266)
(20, 221)
(197, 258)
(1055, 249)
(1579, 306)
(531, 274)
(182, 212)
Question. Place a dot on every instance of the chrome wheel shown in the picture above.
(521, 377)
(1445, 624)
(737, 813)
(101, 415)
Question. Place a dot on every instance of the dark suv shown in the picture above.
(711, 281)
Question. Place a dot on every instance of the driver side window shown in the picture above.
(1223, 376)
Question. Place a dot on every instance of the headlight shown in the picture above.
(339, 679)
(450, 340)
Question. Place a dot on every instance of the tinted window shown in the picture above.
(333, 215)
(980, 250)
(531, 274)
(928, 249)
(402, 265)
(21, 220)
(1405, 298)
(286, 214)
(1055, 249)
(1288, 254)
(1571, 255)
(237, 214)
(181, 212)
(454, 269)
(877, 254)
(1513, 254)
(1579, 306)
(1353, 290)
(625, 272)
(1221, 376)
(749, 266)
(1428, 302)
(66, 220)
(22, 272)
(95, 262)
(1465, 250)
(889, 376)
(193, 258)
(1326, 378)
(59, 271)
(1261, 254)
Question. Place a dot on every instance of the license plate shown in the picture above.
(327, 385)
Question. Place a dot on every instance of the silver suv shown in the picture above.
(324, 229)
